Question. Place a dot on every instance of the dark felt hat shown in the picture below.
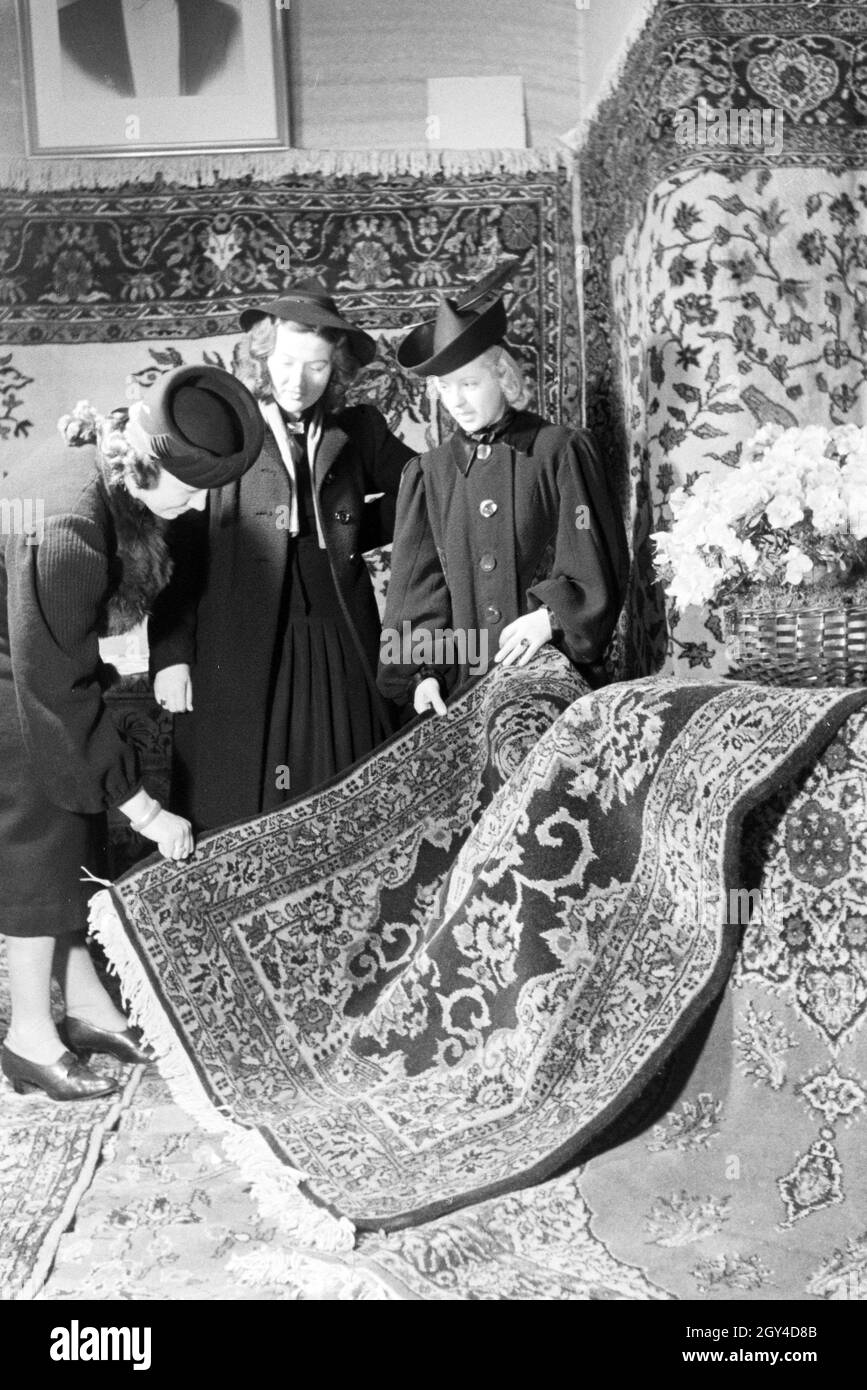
(201, 424)
(463, 329)
(308, 302)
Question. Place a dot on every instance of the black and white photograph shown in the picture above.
(122, 76)
(433, 670)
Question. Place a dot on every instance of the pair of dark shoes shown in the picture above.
(70, 1078)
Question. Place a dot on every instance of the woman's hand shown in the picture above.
(429, 696)
(173, 688)
(172, 835)
(520, 641)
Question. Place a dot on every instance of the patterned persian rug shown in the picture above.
(48, 1155)
(747, 1180)
(724, 277)
(451, 971)
(102, 285)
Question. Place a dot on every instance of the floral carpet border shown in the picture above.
(135, 263)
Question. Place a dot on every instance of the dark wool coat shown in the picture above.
(92, 566)
(224, 613)
(489, 531)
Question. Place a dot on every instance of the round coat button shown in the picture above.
(488, 563)
(342, 516)
(487, 508)
(492, 614)
(483, 451)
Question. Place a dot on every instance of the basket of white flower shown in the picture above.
(779, 546)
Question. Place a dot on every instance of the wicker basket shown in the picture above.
(797, 646)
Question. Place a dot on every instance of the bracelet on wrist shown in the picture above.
(139, 825)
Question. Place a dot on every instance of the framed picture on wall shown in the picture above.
(138, 77)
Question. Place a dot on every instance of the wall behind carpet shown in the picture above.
(358, 68)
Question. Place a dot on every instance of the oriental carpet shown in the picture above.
(456, 968)
(103, 288)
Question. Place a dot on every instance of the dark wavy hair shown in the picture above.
(251, 353)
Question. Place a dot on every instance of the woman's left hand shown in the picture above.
(520, 641)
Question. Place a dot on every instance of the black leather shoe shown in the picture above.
(67, 1079)
(86, 1037)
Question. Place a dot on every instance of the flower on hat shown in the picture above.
(84, 425)
(81, 425)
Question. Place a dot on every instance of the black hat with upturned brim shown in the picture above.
(201, 424)
(309, 303)
(463, 329)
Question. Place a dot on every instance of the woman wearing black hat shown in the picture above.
(266, 644)
(93, 566)
(509, 531)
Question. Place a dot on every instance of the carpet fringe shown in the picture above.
(274, 1186)
(307, 1277)
(39, 174)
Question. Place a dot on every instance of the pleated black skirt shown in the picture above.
(323, 716)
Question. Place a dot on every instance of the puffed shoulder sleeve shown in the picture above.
(586, 586)
(56, 591)
(417, 591)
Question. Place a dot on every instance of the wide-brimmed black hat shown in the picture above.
(463, 329)
(201, 424)
(308, 302)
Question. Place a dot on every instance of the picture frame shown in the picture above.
(95, 82)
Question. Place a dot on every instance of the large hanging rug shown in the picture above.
(99, 284)
(452, 970)
(723, 261)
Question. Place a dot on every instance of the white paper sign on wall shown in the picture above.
(476, 113)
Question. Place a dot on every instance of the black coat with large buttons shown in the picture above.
(222, 613)
(487, 532)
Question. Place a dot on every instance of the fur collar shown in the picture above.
(139, 564)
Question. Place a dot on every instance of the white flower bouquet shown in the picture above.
(792, 516)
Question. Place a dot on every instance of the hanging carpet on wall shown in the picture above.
(105, 284)
(722, 192)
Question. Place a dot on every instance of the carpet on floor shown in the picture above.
(48, 1155)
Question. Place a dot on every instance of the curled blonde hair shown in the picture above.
(506, 369)
(251, 353)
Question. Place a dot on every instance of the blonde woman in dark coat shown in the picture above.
(507, 535)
